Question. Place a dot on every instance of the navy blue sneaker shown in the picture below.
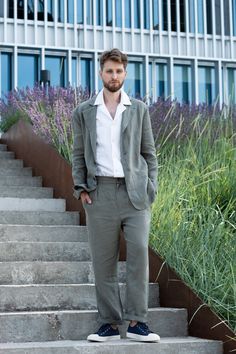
(105, 333)
(142, 333)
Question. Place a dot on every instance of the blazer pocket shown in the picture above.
(151, 191)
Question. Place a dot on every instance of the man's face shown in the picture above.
(113, 75)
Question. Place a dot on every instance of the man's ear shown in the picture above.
(100, 73)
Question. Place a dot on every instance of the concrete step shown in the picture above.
(77, 324)
(21, 181)
(42, 297)
(17, 171)
(43, 233)
(3, 147)
(32, 204)
(26, 192)
(167, 345)
(44, 251)
(11, 163)
(50, 272)
(6, 155)
(39, 218)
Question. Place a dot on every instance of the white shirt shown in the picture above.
(108, 137)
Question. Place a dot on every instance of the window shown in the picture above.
(218, 16)
(146, 14)
(161, 80)
(11, 8)
(89, 15)
(109, 12)
(60, 10)
(80, 11)
(231, 85)
(155, 11)
(173, 15)
(234, 16)
(50, 11)
(118, 6)
(209, 16)
(182, 83)
(191, 10)
(30, 9)
(99, 12)
(136, 13)
(134, 83)
(226, 16)
(127, 13)
(74, 72)
(6, 72)
(207, 87)
(40, 10)
(30, 76)
(182, 16)
(58, 70)
(200, 16)
(165, 15)
(70, 11)
(20, 9)
(1, 9)
(87, 74)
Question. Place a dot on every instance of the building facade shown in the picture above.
(183, 49)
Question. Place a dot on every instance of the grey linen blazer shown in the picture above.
(138, 153)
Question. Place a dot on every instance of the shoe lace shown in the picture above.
(145, 327)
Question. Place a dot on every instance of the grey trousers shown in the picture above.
(111, 211)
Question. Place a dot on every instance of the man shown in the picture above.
(115, 173)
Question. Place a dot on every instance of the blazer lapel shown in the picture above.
(90, 122)
(127, 116)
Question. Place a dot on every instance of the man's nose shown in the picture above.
(114, 75)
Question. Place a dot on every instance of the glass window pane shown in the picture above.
(50, 10)
(60, 10)
(173, 15)
(30, 76)
(191, 16)
(200, 16)
(218, 16)
(226, 16)
(150, 93)
(40, 10)
(234, 16)
(70, 11)
(87, 74)
(10, 8)
(134, 82)
(182, 16)
(155, 11)
(30, 9)
(20, 9)
(209, 16)
(161, 80)
(109, 12)
(99, 12)
(136, 13)
(127, 14)
(146, 10)
(57, 67)
(165, 15)
(207, 87)
(182, 83)
(1, 9)
(74, 72)
(231, 85)
(89, 19)
(6, 72)
(118, 5)
(80, 11)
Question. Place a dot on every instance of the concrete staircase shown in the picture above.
(47, 295)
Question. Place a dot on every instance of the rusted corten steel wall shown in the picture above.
(56, 173)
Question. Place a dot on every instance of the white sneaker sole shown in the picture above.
(150, 338)
(96, 338)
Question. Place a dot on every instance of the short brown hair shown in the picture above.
(114, 55)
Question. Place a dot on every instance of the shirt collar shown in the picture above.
(123, 100)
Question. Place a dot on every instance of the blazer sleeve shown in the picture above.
(79, 170)
(148, 150)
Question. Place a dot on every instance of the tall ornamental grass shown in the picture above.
(194, 215)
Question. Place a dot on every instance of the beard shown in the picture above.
(113, 86)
